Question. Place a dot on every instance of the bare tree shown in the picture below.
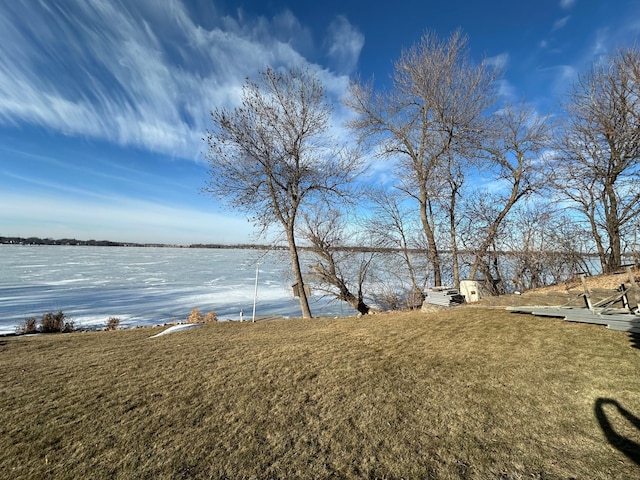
(513, 160)
(335, 264)
(528, 247)
(597, 170)
(393, 229)
(543, 247)
(273, 155)
(435, 108)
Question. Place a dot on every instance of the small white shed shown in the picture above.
(472, 290)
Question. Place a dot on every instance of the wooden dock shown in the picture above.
(603, 312)
(623, 321)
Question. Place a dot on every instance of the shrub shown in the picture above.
(196, 317)
(49, 323)
(30, 325)
(113, 323)
(52, 322)
(210, 317)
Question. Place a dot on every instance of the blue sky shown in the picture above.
(103, 103)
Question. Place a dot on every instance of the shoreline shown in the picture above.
(103, 328)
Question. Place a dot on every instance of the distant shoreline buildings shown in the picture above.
(109, 243)
(37, 241)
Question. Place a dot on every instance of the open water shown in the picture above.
(145, 286)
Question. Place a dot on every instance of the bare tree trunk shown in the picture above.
(432, 247)
(614, 260)
(454, 254)
(452, 231)
(490, 283)
(597, 238)
(328, 274)
(516, 194)
(297, 272)
(417, 290)
(355, 302)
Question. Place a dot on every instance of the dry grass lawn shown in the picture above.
(466, 393)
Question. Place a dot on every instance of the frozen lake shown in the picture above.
(145, 286)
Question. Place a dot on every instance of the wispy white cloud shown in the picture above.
(146, 73)
(560, 23)
(506, 90)
(344, 44)
(608, 38)
(601, 42)
(599, 37)
(498, 61)
(560, 77)
(567, 4)
(566, 73)
(96, 175)
(605, 40)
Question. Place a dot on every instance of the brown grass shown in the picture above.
(468, 393)
(607, 282)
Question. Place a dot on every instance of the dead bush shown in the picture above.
(210, 317)
(113, 323)
(30, 325)
(197, 317)
(49, 323)
(55, 323)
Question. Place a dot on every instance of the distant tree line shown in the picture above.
(109, 243)
(238, 246)
(468, 176)
(63, 241)
(73, 241)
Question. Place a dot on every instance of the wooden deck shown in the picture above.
(614, 319)
(603, 312)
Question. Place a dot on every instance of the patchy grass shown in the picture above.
(468, 393)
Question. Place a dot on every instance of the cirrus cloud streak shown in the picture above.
(144, 74)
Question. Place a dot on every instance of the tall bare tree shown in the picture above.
(435, 107)
(273, 155)
(597, 170)
(513, 159)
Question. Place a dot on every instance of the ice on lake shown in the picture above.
(145, 286)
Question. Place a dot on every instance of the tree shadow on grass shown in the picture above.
(634, 338)
(630, 448)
